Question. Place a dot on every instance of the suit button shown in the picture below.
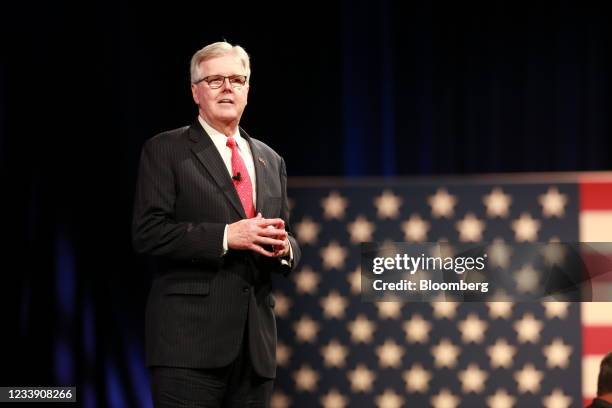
(246, 289)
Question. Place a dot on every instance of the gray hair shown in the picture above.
(214, 50)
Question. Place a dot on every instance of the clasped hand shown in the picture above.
(255, 233)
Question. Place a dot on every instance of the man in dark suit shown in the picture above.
(604, 384)
(211, 206)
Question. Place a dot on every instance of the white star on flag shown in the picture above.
(361, 230)
(415, 229)
(553, 203)
(470, 228)
(497, 203)
(526, 228)
(334, 206)
(387, 205)
(442, 204)
(307, 231)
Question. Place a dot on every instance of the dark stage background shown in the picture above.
(339, 89)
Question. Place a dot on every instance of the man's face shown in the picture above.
(222, 106)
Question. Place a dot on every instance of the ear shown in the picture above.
(246, 93)
(194, 94)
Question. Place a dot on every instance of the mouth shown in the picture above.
(226, 101)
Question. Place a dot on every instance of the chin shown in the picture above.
(225, 115)
(228, 119)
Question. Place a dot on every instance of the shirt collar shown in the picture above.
(219, 138)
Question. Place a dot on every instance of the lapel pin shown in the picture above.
(262, 161)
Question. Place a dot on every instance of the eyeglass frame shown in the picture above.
(205, 79)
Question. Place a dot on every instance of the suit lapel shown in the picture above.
(260, 167)
(209, 156)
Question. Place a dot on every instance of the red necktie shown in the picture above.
(241, 179)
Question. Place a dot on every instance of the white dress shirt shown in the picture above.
(220, 140)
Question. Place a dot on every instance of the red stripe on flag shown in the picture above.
(596, 339)
(595, 196)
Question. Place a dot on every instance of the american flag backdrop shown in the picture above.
(336, 350)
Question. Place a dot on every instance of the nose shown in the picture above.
(226, 84)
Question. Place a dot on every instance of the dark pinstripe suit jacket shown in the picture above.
(200, 302)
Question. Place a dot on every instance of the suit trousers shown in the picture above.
(235, 385)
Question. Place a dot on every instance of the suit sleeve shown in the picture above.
(155, 231)
(295, 247)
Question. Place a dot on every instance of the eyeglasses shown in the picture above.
(216, 81)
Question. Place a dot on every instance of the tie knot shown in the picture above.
(231, 142)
